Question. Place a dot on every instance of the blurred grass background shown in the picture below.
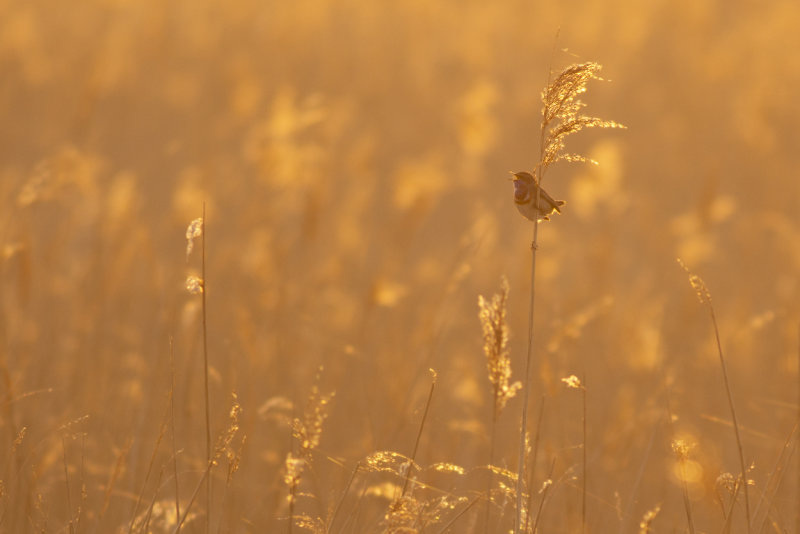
(354, 158)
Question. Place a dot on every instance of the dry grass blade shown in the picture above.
(681, 450)
(546, 485)
(775, 478)
(534, 456)
(341, 499)
(207, 396)
(66, 483)
(150, 465)
(455, 518)
(704, 296)
(221, 448)
(419, 433)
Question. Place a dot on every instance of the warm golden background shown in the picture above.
(353, 158)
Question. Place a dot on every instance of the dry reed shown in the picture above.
(561, 117)
(704, 296)
(492, 315)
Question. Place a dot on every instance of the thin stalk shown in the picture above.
(344, 494)
(353, 515)
(523, 426)
(728, 514)
(205, 369)
(537, 176)
(145, 526)
(532, 464)
(583, 503)
(491, 473)
(733, 415)
(149, 471)
(797, 474)
(687, 503)
(172, 426)
(544, 496)
(775, 479)
(639, 476)
(182, 520)
(459, 514)
(66, 482)
(82, 484)
(292, 498)
(419, 435)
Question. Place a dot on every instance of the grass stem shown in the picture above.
(526, 386)
(733, 413)
(172, 426)
(419, 434)
(533, 461)
(205, 369)
(583, 501)
(490, 476)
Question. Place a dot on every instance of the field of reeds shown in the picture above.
(261, 268)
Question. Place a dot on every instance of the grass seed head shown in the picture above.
(194, 230)
(492, 314)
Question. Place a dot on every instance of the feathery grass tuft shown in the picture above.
(308, 430)
(495, 345)
(492, 315)
(561, 114)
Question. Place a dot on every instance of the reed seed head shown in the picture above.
(492, 314)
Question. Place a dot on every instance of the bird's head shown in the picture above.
(523, 186)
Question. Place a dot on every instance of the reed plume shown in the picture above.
(492, 315)
(561, 117)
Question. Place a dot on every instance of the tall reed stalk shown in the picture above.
(197, 228)
(561, 116)
(205, 369)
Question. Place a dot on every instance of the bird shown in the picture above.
(525, 187)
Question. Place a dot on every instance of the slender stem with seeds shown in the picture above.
(544, 496)
(560, 104)
(687, 503)
(523, 426)
(733, 413)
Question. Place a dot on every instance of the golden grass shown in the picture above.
(353, 160)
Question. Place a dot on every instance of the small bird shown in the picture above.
(525, 187)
